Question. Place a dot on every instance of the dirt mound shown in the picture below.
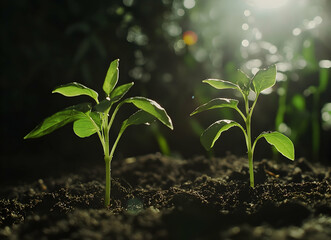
(157, 197)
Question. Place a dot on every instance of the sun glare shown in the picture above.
(267, 4)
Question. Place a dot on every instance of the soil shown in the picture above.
(158, 197)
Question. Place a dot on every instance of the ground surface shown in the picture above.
(156, 197)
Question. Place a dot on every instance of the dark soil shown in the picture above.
(157, 197)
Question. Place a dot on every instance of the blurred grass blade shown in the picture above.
(323, 79)
(216, 103)
(214, 131)
(59, 119)
(76, 89)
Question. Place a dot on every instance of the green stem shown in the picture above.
(115, 144)
(250, 151)
(114, 115)
(251, 168)
(108, 180)
(108, 159)
(241, 114)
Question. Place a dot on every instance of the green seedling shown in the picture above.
(88, 120)
(264, 78)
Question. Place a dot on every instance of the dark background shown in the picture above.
(48, 43)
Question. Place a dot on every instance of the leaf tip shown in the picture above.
(170, 125)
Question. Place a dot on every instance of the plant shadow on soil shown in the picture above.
(158, 197)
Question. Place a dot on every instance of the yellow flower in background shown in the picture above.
(190, 38)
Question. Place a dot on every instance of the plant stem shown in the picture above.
(249, 151)
(108, 181)
(107, 160)
(251, 169)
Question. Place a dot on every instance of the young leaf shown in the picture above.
(243, 82)
(220, 84)
(59, 119)
(88, 125)
(216, 103)
(214, 131)
(282, 143)
(152, 108)
(265, 78)
(114, 97)
(119, 92)
(103, 106)
(76, 89)
(111, 77)
(139, 117)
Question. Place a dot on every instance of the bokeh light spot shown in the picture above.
(247, 13)
(189, 4)
(325, 64)
(245, 43)
(190, 38)
(180, 12)
(273, 49)
(245, 26)
(296, 31)
(318, 19)
(128, 3)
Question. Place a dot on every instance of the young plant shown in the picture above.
(263, 79)
(88, 120)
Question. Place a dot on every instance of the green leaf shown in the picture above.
(152, 108)
(214, 131)
(88, 125)
(220, 84)
(139, 117)
(282, 143)
(265, 78)
(119, 92)
(111, 77)
(59, 119)
(216, 103)
(243, 82)
(114, 97)
(103, 106)
(76, 89)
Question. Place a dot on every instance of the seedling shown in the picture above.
(88, 120)
(264, 78)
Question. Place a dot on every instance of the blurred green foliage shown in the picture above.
(49, 43)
